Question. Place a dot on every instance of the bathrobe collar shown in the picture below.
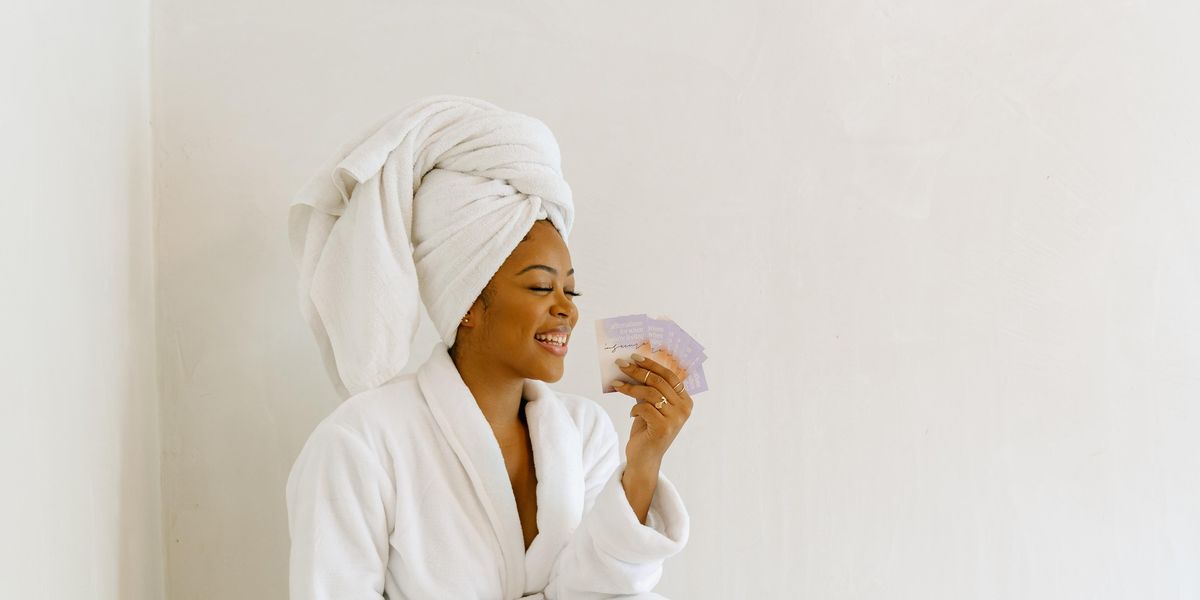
(558, 464)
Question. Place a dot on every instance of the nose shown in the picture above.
(564, 310)
(564, 307)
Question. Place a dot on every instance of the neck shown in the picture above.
(497, 393)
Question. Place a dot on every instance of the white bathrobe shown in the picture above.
(402, 492)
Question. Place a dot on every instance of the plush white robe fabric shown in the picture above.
(402, 492)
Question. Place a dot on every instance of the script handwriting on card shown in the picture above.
(658, 338)
(621, 347)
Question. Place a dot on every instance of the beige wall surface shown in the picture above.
(80, 510)
(943, 257)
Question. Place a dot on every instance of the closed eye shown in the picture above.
(569, 293)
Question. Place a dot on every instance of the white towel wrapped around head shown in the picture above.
(426, 207)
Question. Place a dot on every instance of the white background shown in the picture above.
(943, 257)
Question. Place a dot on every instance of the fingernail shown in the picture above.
(623, 362)
(638, 357)
(618, 383)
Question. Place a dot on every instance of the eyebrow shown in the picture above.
(544, 268)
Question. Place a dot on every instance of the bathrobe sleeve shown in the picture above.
(612, 554)
(338, 499)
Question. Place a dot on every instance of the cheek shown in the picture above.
(513, 323)
(515, 326)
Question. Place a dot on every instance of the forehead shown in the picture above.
(542, 245)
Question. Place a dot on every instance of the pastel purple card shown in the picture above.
(681, 345)
(618, 337)
(695, 381)
(681, 337)
(687, 354)
(656, 329)
(658, 338)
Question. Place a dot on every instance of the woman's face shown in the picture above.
(530, 294)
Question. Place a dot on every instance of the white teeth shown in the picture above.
(552, 339)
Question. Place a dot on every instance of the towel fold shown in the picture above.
(425, 207)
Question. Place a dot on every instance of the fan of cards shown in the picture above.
(657, 338)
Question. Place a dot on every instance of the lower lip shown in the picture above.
(557, 350)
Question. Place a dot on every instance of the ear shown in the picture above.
(472, 315)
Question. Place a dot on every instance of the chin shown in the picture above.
(547, 373)
(554, 377)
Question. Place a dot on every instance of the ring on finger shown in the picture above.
(680, 384)
(646, 378)
(660, 403)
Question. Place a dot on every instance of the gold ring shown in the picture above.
(646, 379)
(680, 384)
(660, 403)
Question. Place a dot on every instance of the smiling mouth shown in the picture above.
(553, 347)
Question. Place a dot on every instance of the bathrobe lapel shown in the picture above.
(558, 464)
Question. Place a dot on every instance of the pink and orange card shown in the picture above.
(658, 338)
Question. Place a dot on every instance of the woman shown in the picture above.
(469, 478)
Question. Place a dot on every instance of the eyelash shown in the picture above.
(552, 289)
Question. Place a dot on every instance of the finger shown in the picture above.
(662, 379)
(652, 396)
(684, 397)
(621, 386)
(660, 387)
(637, 391)
(656, 421)
(638, 371)
(653, 366)
(664, 358)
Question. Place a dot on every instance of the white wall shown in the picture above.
(80, 510)
(943, 256)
